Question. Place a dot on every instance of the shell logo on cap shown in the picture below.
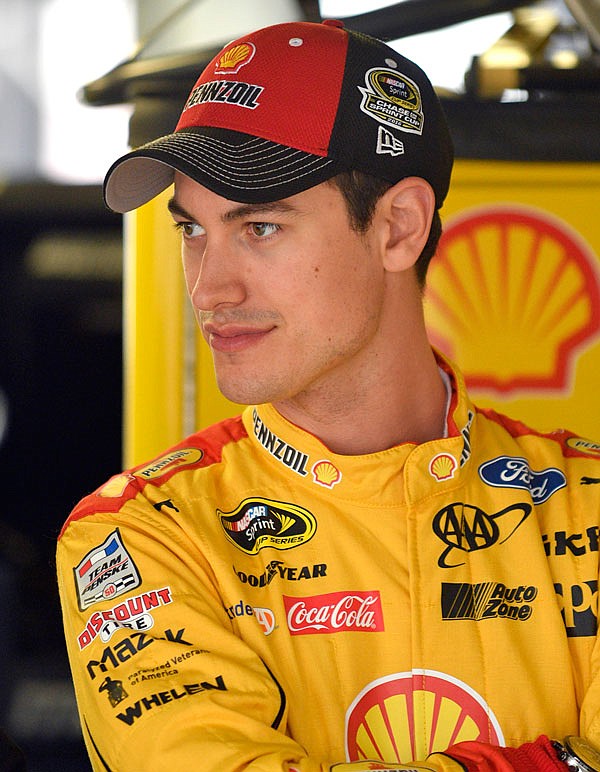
(513, 295)
(234, 58)
(407, 716)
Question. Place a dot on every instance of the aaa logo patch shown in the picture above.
(258, 523)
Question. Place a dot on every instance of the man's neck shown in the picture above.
(404, 403)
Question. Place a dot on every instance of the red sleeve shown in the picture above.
(538, 756)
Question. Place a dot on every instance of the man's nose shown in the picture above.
(219, 279)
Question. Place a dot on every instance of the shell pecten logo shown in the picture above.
(406, 716)
(235, 57)
(512, 297)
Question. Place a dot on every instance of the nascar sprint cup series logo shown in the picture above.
(393, 99)
(258, 523)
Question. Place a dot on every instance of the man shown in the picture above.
(360, 571)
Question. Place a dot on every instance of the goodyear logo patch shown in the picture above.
(258, 523)
(392, 99)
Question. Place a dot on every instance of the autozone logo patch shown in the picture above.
(465, 528)
(334, 612)
(258, 523)
(487, 600)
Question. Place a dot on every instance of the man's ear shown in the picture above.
(405, 212)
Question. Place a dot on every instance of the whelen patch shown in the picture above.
(258, 523)
(106, 572)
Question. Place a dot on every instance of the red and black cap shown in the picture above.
(286, 108)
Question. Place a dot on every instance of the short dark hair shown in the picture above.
(362, 192)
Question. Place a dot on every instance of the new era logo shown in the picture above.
(388, 143)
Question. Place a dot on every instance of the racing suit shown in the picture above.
(250, 600)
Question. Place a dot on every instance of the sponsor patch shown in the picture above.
(579, 608)
(134, 712)
(106, 572)
(265, 618)
(514, 472)
(235, 57)
(289, 456)
(487, 600)
(465, 528)
(581, 445)
(442, 467)
(563, 543)
(259, 523)
(277, 568)
(334, 612)
(164, 464)
(409, 715)
(132, 613)
(392, 99)
(326, 474)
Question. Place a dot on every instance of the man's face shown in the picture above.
(287, 295)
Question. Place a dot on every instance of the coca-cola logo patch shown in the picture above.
(334, 612)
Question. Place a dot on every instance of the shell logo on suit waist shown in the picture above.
(512, 297)
(406, 716)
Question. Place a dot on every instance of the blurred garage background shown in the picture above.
(79, 83)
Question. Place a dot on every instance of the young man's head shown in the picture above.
(309, 164)
(290, 106)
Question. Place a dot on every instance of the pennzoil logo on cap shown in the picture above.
(234, 58)
(258, 523)
(393, 99)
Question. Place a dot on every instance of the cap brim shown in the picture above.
(236, 166)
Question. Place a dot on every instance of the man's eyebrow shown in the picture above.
(175, 208)
(239, 212)
(253, 210)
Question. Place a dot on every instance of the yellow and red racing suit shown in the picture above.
(250, 600)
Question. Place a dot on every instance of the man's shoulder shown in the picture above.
(560, 443)
(201, 450)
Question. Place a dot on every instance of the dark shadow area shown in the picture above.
(60, 437)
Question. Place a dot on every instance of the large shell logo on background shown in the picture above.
(406, 716)
(512, 297)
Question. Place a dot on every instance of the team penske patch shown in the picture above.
(105, 572)
(258, 523)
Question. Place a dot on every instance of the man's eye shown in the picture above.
(263, 229)
(190, 229)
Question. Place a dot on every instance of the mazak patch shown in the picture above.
(258, 523)
(392, 99)
(106, 572)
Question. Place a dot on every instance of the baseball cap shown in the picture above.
(287, 107)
